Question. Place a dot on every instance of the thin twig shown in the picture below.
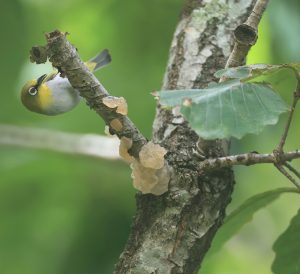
(247, 159)
(278, 152)
(286, 174)
(292, 169)
(246, 35)
(255, 158)
(287, 125)
(296, 96)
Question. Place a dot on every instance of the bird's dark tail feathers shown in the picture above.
(99, 61)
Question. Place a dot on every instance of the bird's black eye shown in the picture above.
(32, 91)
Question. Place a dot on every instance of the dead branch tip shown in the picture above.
(38, 54)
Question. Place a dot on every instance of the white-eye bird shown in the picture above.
(52, 94)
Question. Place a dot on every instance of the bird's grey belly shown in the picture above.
(64, 96)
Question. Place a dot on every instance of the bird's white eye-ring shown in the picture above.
(32, 91)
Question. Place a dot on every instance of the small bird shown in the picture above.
(52, 94)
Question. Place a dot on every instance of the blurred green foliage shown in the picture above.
(64, 214)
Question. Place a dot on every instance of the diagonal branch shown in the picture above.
(64, 56)
(278, 152)
(286, 174)
(296, 97)
(292, 169)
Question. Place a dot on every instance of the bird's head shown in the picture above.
(36, 95)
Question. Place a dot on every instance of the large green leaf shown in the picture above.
(287, 249)
(249, 72)
(230, 108)
(244, 214)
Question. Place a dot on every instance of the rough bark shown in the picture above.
(172, 233)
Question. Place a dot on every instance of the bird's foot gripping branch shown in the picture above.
(150, 170)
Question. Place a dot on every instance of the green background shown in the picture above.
(65, 214)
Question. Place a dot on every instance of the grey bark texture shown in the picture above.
(171, 233)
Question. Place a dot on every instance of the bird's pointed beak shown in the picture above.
(40, 80)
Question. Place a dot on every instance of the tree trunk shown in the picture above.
(171, 233)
